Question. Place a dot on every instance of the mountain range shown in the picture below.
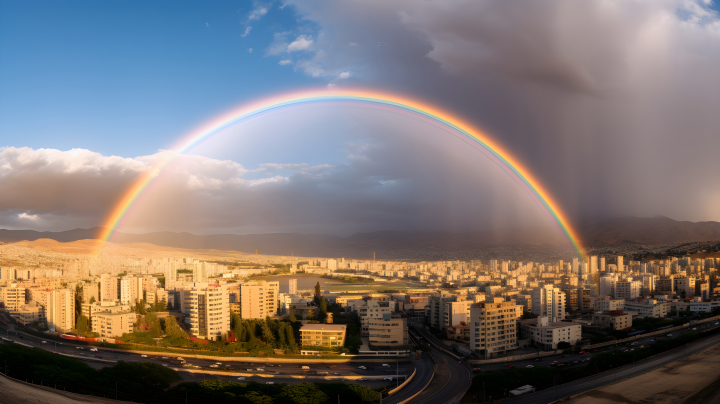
(609, 233)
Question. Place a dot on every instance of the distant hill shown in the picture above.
(648, 230)
(615, 232)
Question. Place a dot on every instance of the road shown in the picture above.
(281, 372)
(569, 359)
(424, 374)
(590, 383)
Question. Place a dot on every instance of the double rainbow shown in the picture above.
(374, 99)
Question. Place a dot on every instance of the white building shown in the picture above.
(627, 289)
(209, 309)
(546, 335)
(648, 308)
(548, 301)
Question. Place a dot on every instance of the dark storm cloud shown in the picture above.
(612, 103)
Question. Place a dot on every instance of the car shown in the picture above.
(694, 329)
(218, 363)
(529, 366)
(78, 347)
(164, 364)
(389, 379)
(44, 342)
(669, 335)
(269, 382)
(214, 366)
(143, 356)
(717, 323)
(306, 368)
(634, 343)
(165, 357)
(553, 363)
(584, 352)
(241, 378)
(362, 368)
(93, 349)
(511, 366)
(249, 370)
(538, 360)
(385, 365)
(260, 369)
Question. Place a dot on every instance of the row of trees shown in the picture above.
(254, 334)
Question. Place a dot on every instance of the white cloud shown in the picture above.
(352, 44)
(250, 50)
(25, 216)
(302, 42)
(247, 31)
(285, 62)
(257, 12)
(344, 75)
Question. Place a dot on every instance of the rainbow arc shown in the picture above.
(373, 99)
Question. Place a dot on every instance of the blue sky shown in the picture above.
(129, 78)
(609, 103)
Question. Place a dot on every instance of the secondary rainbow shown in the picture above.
(375, 99)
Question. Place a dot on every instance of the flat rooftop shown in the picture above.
(323, 327)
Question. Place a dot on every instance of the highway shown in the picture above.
(280, 372)
(424, 374)
(590, 383)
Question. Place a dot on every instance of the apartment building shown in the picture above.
(648, 307)
(546, 335)
(257, 299)
(58, 308)
(108, 288)
(12, 297)
(109, 324)
(372, 310)
(446, 310)
(130, 289)
(627, 289)
(329, 335)
(617, 320)
(493, 327)
(388, 330)
(685, 287)
(209, 311)
(548, 301)
(604, 304)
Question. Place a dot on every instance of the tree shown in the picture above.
(267, 335)
(92, 299)
(317, 293)
(290, 337)
(311, 315)
(292, 316)
(81, 324)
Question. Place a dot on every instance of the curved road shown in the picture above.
(423, 376)
(590, 383)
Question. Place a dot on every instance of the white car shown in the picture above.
(241, 378)
(44, 342)
(214, 366)
(385, 365)
(389, 379)
(78, 347)
(143, 356)
(669, 335)
(362, 368)
(218, 363)
(165, 357)
(694, 329)
(529, 366)
(269, 382)
(93, 350)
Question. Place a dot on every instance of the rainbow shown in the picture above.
(375, 99)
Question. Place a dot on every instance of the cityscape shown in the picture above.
(390, 202)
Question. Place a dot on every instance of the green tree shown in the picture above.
(267, 334)
(317, 293)
(311, 315)
(290, 337)
(92, 299)
(81, 324)
(292, 316)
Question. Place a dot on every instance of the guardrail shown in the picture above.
(398, 388)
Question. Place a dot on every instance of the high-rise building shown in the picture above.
(209, 309)
(292, 286)
(58, 309)
(602, 264)
(548, 301)
(627, 289)
(108, 288)
(493, 327)
(593, 264)
(620, 266)
(130, 289)
(13, 297)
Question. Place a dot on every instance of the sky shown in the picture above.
(612, 105)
